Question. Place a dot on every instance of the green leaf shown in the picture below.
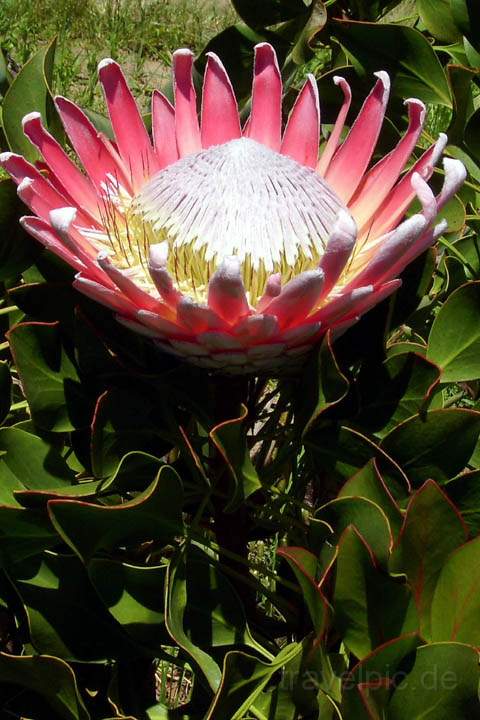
(369, 606)
(460, 79)
(432, 529)
(135, 471)
(369, 680)
(367, 517)
(66, 618)
(28, 462)
(419, 444)
(244, 677)
(438, 19)
(230, 439)
(456, 602)
(442, 685)
(155, 514)
(340, 452)
(50, 677)
(17, 249)
(306, 568)
(454, 342)
(125, 420)
(49, 379)
(5, 390)
(368, 483)
(400, 387)
(466, 15)
(402, 51)
(23, 533)
(322, 385)
(133, 595)
(464, 492)
(203, 613)
(30, 92)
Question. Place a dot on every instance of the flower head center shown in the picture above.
(242, 199)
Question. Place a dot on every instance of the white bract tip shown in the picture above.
(24, 184)
(62, 218)
(182, 52)
(29, 117)
(105, 63)
(5, 156)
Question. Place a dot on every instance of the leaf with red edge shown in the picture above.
(385, 664)
(125, 420)
(306, 569)
(229, 437)
(339, 452)
(322, 386)
(368, 483)
(432, 529)
(49, 378)
(369, 606)
(441, 685)
(438, 445)
(49, 677)
(155, 514)
(366, 516)
(456, 601)
(464, 492)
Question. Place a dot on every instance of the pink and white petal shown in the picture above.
(455, 175)
(302, 134)
(166, 327)
(128, 287)
(112, 299)
(301, 334)
(138, 327)
(426, 197)
(334, 139)
(338, 250)
(265, 124)
(256, 329)
(163, 130)
(217, 341)
(62, 221)
(381, 266)
(269, 350)
(298, 298)
(380, 293)
(349, 163)
(220, 119)
(158, 254)
(398, 201)
(186, 118)
(198, 318)
(378, 182)
(340, 306)
(94, 153)
(226, 292)
(44, 233)
(273, 288)
(42, 199)
(131, 135)
(77, 185)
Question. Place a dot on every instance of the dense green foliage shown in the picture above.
(180, 545)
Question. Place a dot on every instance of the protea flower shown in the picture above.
(237, 248)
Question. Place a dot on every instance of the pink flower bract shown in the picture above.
(236, 248)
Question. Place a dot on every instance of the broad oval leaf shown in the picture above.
(403, 51)
(456, 602)
(30, 92)
(454, 342)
